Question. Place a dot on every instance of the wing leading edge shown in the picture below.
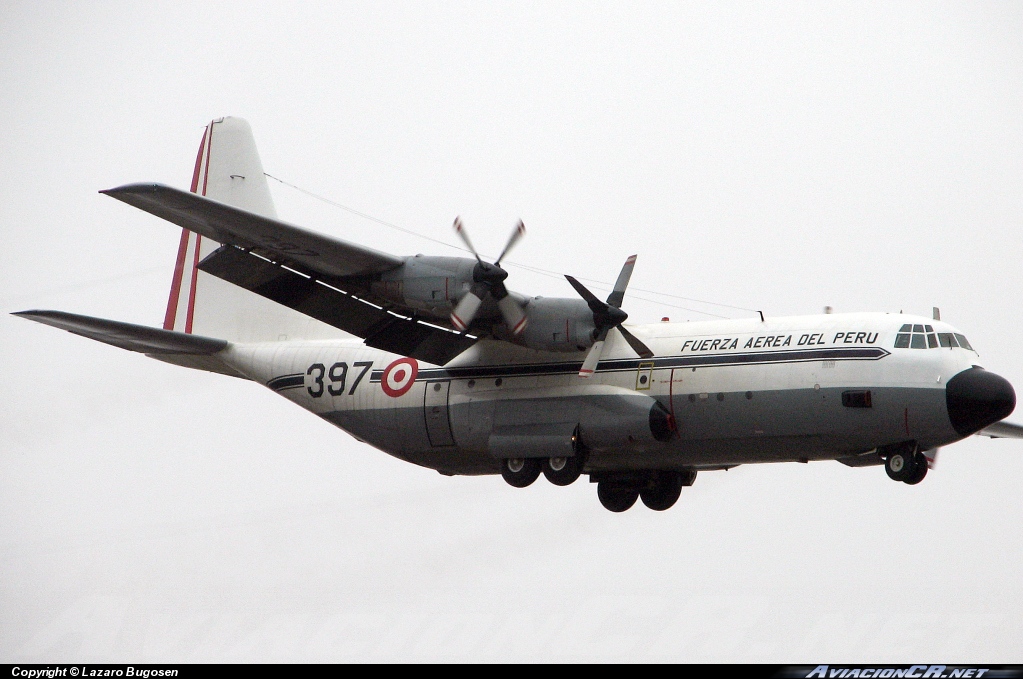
(230, 225)
(1002, 430)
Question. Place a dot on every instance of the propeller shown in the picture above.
(607, 316)
(932, 457)
(488, 279)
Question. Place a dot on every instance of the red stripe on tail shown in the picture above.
(179, 265)
(198, 238)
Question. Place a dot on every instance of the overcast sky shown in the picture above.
(778, 157)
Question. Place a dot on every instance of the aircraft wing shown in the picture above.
(230, 225)
(325, 301)
(300, 269)
(1002, 430)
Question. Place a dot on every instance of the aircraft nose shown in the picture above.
(976, 398)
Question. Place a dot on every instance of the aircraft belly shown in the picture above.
(806, 424)
(401, 432)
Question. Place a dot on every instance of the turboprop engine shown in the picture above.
(558, 324)
(466, 292)
(431, 285)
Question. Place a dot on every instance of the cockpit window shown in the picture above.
(963, 343)
(923, 337)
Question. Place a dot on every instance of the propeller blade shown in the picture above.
(634, 342)
(517, 234)
(460, 230)
(596, 306)
(618, 294)
(592, 358)
(466, 310)
(513, 314)
(932, 457)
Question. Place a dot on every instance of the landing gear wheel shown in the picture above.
(563, 471)
(615, 497)
(899, 464)
(521, 471)
(663, 491)
(919, 470)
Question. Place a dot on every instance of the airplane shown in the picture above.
(435, 361)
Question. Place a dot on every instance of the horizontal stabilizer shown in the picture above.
(1002, 430)
(128, 336)
(324, 301)
(230, 225)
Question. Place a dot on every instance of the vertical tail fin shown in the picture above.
(228, 170)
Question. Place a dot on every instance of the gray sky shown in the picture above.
(776, 157)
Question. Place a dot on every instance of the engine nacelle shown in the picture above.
(432, 285)
(557, 324)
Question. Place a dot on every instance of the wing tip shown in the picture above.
(137, 187)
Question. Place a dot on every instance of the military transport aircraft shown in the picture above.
(451, 370)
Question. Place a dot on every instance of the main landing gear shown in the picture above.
(906, 463)
(521, 471)
(659, 490)
(561, 471)
(617, 491)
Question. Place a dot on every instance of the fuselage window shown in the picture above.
(902, 340)
(918, 342)
(918, 328)
(947, 339)
(906, 328)
(932, 340)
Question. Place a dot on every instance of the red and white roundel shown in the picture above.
(399, 376)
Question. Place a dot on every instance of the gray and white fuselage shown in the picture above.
(457, 373)
(716, 394)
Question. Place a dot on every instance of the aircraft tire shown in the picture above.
(569, 469)
(616, 497)
(664, 492)
(520, 472)
(919, 470)
(899, 464)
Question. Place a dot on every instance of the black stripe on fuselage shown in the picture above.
(629, 364)
(286, 382)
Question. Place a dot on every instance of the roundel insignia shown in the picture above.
(399, 377)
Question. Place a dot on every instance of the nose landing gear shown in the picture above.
(906, 463)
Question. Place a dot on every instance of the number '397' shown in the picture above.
(336, 376)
